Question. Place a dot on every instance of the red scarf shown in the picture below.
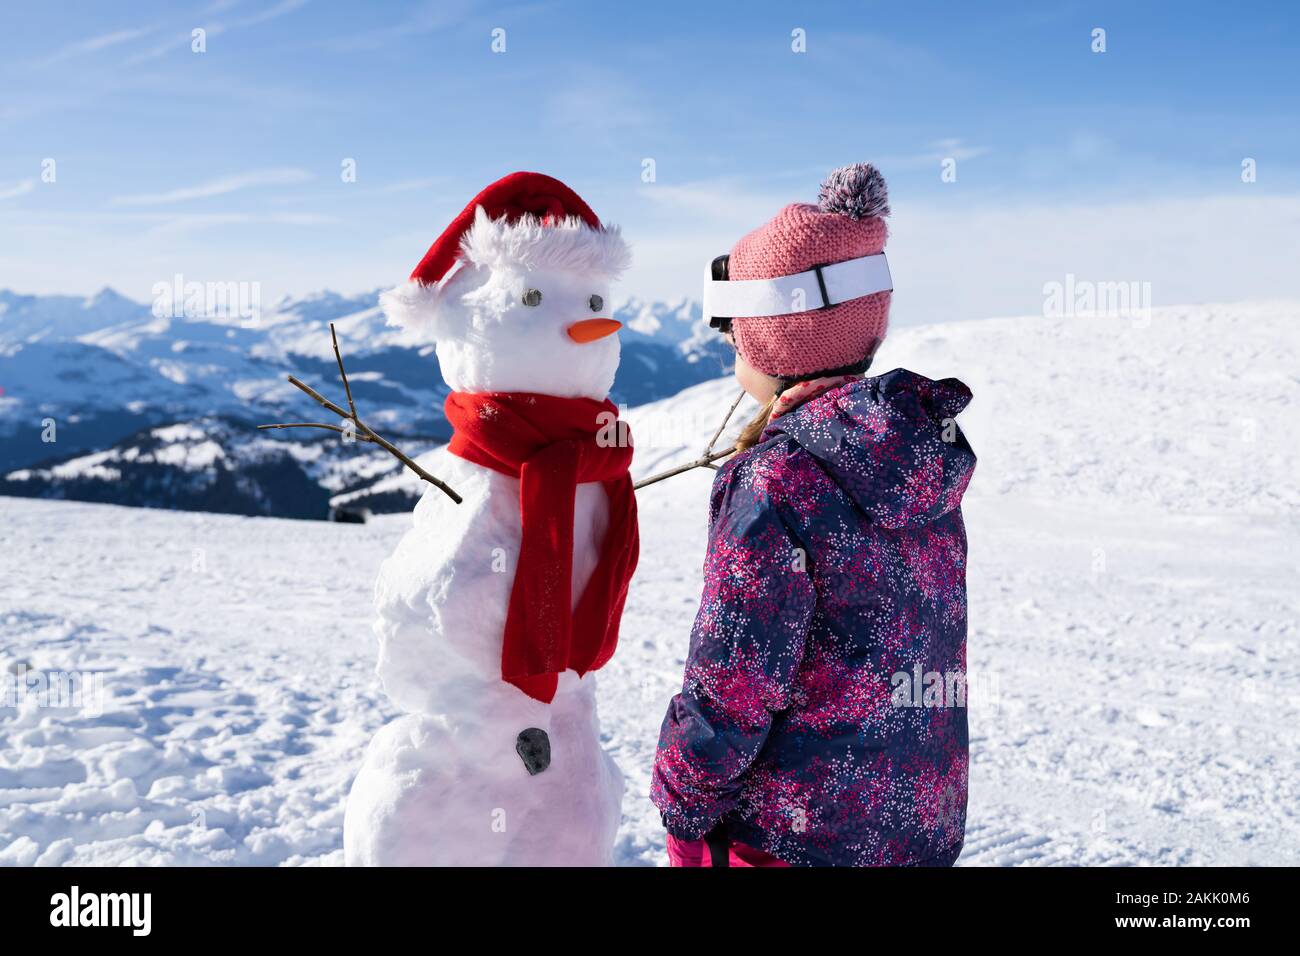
(550, 444)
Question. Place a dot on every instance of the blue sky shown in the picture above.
(225, 165)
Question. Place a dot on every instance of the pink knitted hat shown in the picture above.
(847, 223)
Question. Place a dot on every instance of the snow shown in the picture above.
(183, 431)
(238, 682)
(441, 600)
(195, 457)
(1135, 690)
(92, 465)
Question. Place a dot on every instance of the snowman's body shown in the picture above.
(443, 784)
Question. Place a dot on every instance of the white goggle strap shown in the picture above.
(818, 288)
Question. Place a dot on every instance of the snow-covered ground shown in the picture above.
(1133, 608)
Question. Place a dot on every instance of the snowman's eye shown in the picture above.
(596, 303)
(532, 297)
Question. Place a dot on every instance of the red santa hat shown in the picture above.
(525, 221)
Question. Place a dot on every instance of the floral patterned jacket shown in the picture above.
(822, 717)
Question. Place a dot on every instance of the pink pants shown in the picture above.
(696, 853)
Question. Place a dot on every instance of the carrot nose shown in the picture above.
(589, 330)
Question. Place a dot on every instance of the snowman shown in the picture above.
(493, 613)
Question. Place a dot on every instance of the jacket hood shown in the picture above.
(891, 442)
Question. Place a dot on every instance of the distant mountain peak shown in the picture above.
(670, 323)
(108, 297)
(325, 304)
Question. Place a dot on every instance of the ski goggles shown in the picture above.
(818, 288)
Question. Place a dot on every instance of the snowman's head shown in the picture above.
(527, 309)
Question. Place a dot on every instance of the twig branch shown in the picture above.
(333, 428)
(730, 411)
(338, 357)
(361, 430)
(318, 396)
(706, 460)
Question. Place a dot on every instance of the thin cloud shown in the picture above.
(956, 149)
(428, 17)
(932, 155)
(21, 188)
(713, 201)
(95, 44)
(408, 185)
(216, 187)
(184, 38)
(180, 40)
(597, 106)
(271, 13)
(186, 223)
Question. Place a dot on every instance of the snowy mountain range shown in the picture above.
(102, 400)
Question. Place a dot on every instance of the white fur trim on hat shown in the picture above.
(569, 244)
(411, 305)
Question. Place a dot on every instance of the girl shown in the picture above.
(822, 716)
